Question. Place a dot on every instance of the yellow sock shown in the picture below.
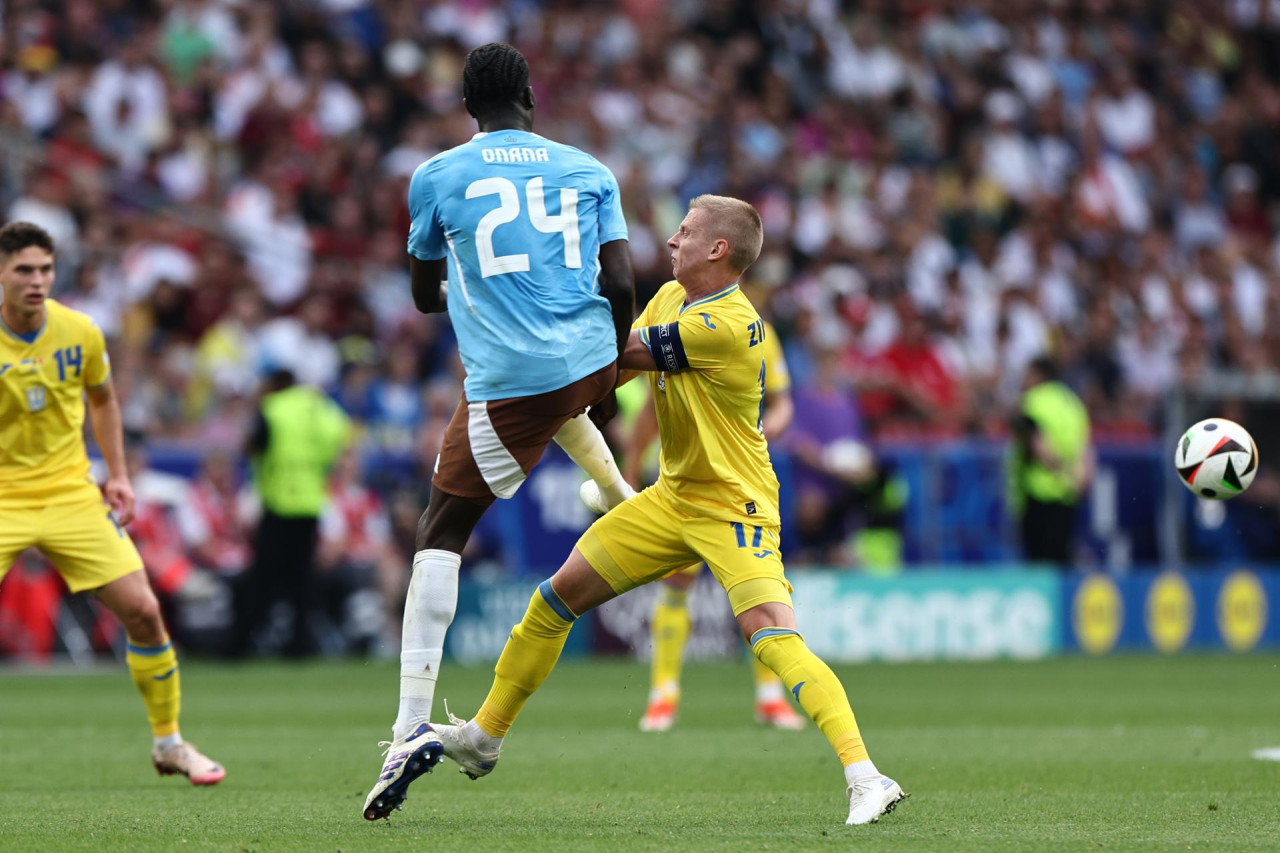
(670, 632)
(527, 659)
(768, 685)
(815, 686)
(155, 673)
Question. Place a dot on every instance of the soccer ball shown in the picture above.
(1216, 459)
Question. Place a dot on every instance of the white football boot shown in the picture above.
(468, 745)
(872, 796)
(406, 759)
(185, 760)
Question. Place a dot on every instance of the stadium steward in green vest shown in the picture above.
(1051, 464)
(299, 436)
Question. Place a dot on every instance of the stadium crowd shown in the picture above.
(949, 190)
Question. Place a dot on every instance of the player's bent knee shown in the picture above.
(579, 585)
(142, 619)
(768, 614)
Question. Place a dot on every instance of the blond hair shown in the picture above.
(737, 222)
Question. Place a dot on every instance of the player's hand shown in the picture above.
(119, 495)
(604, 411)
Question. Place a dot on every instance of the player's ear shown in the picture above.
(470, 111)
(526, 98)
(719, 249)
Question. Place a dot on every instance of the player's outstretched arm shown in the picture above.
(618, 285)
(636, 358)
(644, 432)
(779, 412)
(427, 283)
(104, 414)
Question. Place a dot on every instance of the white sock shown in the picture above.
(428, 612)
(586, 446)
(666, 690)
(168, 741)
(859, 770)
(770, 691)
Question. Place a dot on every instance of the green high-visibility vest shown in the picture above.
(306, 433)
(1063, 423)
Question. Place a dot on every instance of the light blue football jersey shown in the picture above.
(521, 220)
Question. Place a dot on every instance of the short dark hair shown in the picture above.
(495, 76)
(17, 236)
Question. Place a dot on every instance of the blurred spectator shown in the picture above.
(196, 603)
(396, 402)
(827, 440)
(361, 570)
(155, 528)
(212, 519)
(911, 143)
(303, 344)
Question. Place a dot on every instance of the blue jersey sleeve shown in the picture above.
(613, 226)
(426, 237)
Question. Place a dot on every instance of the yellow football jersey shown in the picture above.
(42, 408)
(708, 397)
(777, 378)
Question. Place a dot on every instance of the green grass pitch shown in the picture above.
(1127, 753)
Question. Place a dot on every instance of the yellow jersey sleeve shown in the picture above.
(97, 364)
(641, 321)
(777, 379)
(694, 341)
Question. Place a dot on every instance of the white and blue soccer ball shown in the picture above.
(1216, 459)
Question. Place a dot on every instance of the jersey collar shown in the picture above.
(26, 339)
(719, 294)
(480, 134)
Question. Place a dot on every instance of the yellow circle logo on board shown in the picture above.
(1242, 611)
(1097, 614)
(1171, 612)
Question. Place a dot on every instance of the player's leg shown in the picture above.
(771, 629)
(431, 601)
(93, 553)
(747, 562)
(18, 529)
(527, 659)
(772, 708)
(489, 448)
(429, 607)
(154, 668)
(669, 629)
(585, 445)
(639, 535)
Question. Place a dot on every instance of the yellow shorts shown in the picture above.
(646, 538)
(80, 537)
